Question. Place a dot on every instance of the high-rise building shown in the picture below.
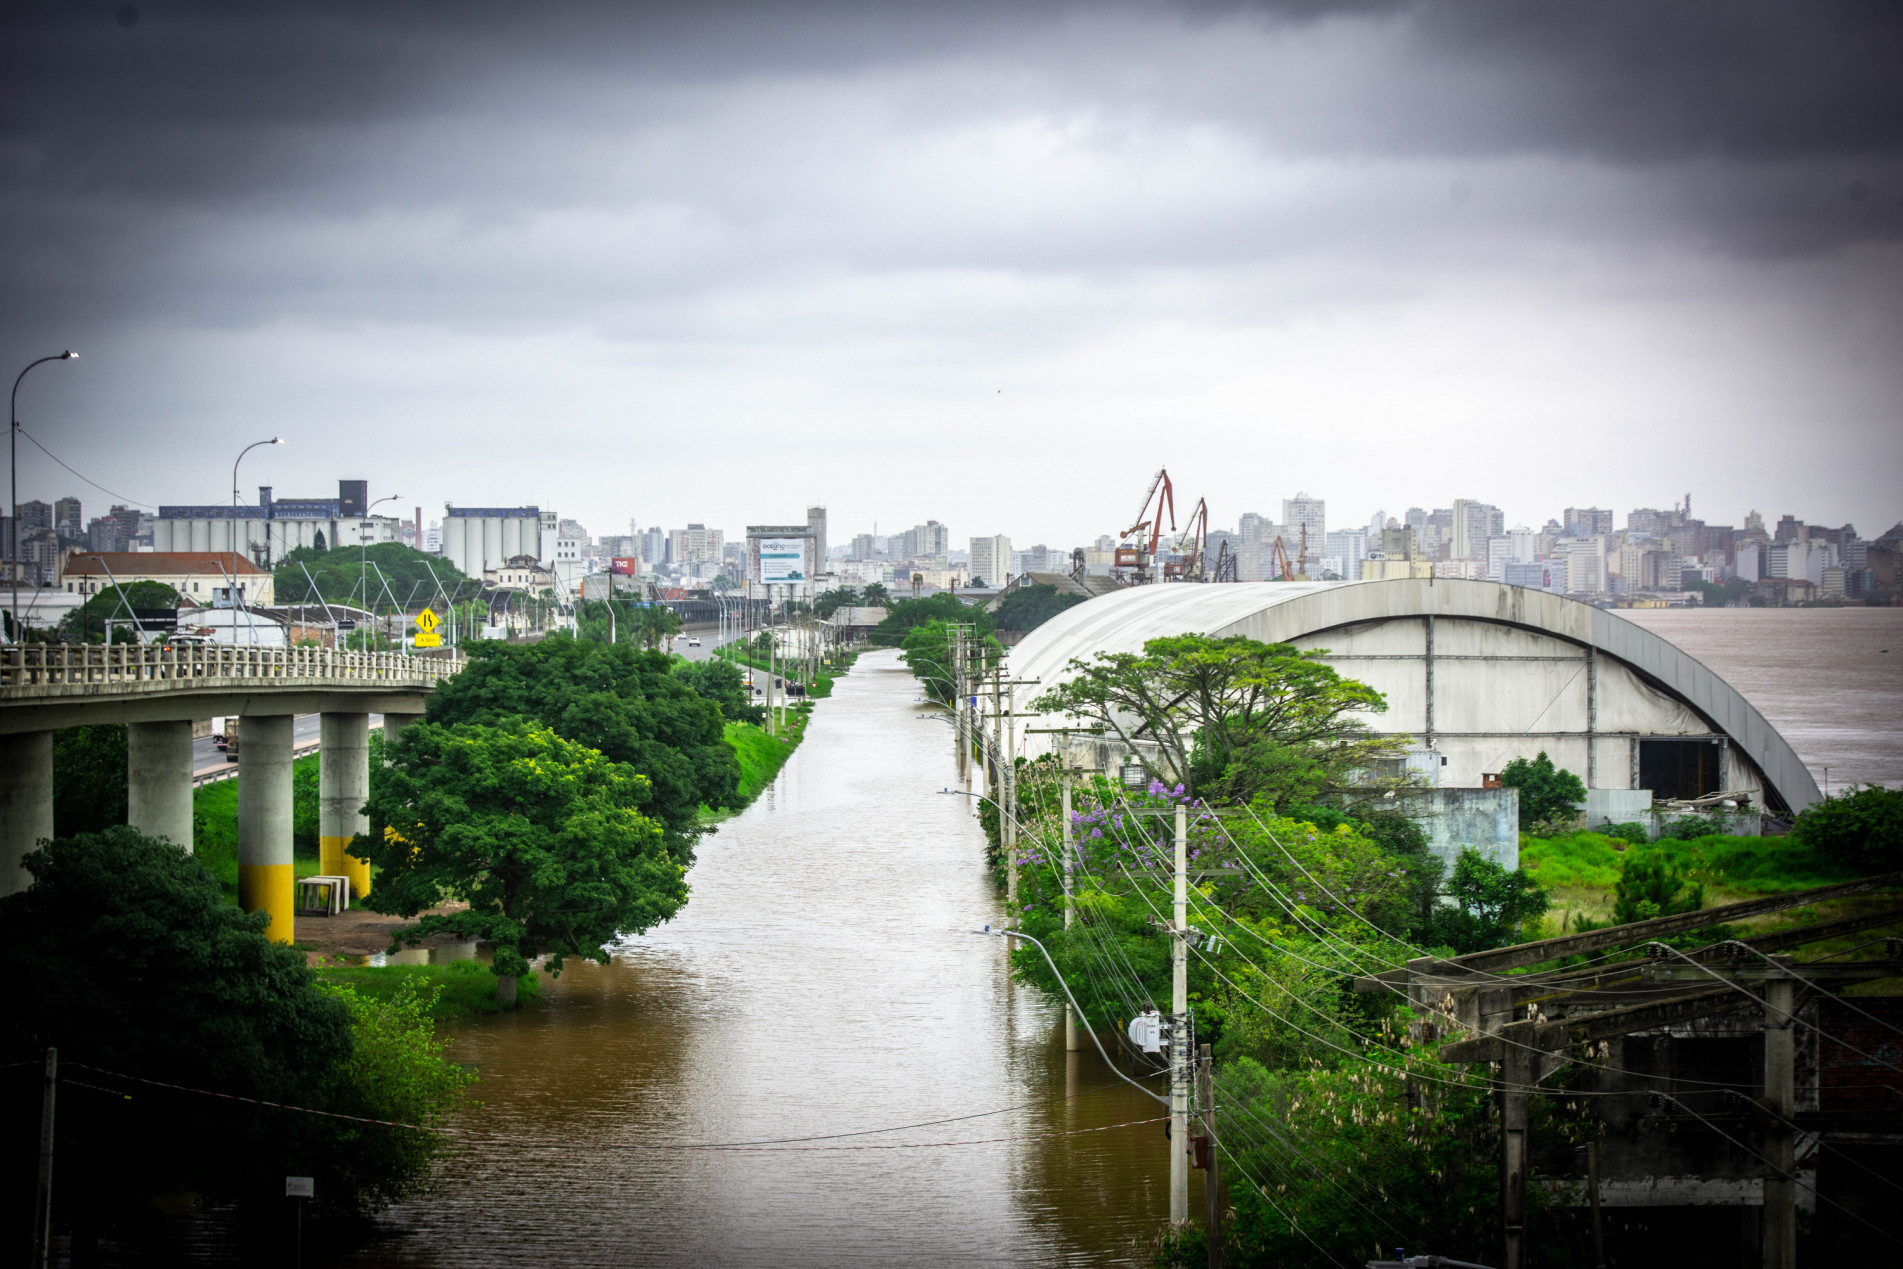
(696, 544)
(864, 547)
(816, 529)
(34, 517)
(68, 520)
(1305, 513)
(1473, 523)
(925, 541)
(1588, 522)
(1350, 547)
(991, 559)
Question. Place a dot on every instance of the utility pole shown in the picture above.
(772, 646)
(43, 1198)
(1780, 1162)
(1212, 1171)
(1517, 1070)
(1179, 1030)
(1070, 897)
(1010, 820)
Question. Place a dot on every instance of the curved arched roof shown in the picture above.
(1281, 611)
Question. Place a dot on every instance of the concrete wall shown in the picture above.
(1488, 820)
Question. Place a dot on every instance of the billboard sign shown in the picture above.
(782, 560)
(624, 566)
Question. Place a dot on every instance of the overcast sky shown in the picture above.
(986, 264)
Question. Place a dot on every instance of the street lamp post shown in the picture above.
(275, 440)
(13, 481)
(363, 553)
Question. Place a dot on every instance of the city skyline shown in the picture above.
(676, 264)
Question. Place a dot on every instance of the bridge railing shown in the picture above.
(27, 666)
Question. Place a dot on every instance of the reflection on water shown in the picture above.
(1829, 679)
(820, 982)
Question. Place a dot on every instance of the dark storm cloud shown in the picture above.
(719, 197)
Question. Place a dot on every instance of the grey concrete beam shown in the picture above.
(26, 803)
(159, 781)
(188, 704)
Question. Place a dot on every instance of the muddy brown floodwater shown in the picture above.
(1830, 679)
(820, 981)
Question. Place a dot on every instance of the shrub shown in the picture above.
(1547, 793)
(1492, 905)
(1651, 885)
(1863, 830)
(1631, 832)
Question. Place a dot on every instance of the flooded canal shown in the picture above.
(820, 982)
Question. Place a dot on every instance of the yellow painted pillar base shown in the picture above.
(271, 889)
(334, 861)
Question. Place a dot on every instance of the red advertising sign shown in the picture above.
(624, 566)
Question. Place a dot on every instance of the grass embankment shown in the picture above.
(215, 826)
(464, 989)
(823, 680)
(1580, 870)
(761, 756)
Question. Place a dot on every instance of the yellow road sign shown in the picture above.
(426, 621)
(429, 641)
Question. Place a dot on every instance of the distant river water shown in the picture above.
(1829, 679)
(819, 982)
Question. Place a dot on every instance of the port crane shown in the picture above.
(1190, 547)
(1141, 538)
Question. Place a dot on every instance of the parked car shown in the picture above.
(693, 643)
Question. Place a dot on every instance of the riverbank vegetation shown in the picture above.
(166, 1004)
(1341, 1128)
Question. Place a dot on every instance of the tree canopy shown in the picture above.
(721, 682)
(396, 573)
(542, 837)
(930, 650)
(833, 600)
(1234, 718)
(621, 700)
(1029, 607)
(1547, 793)
(901, 615)
(1862, 828)
(125, 956)
(87, 622)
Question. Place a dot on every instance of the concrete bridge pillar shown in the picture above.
(26, 803)
(343, 785)
(159, 780)
(265, 880)
(393, 724)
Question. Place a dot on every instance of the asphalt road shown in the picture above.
(207, 757)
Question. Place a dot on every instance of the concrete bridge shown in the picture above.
(158, 693)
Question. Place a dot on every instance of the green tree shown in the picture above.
(89, 778)
(877, 596)
(833, 600)
(1233, 718)
(655, 623)
(395, 572)
(125, 955)
(903, 614)
(1492, 905)
(930, 650)
(88, 622)
(1651, 885)
(1547, 793)
(397, 1072)
(1029, 607)
(1862, 829)
(618, 699)
(722, 683)
(542, 837)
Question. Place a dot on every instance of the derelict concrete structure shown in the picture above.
(157, 692)
(1478, 673)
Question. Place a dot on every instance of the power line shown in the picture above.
(89, 480)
